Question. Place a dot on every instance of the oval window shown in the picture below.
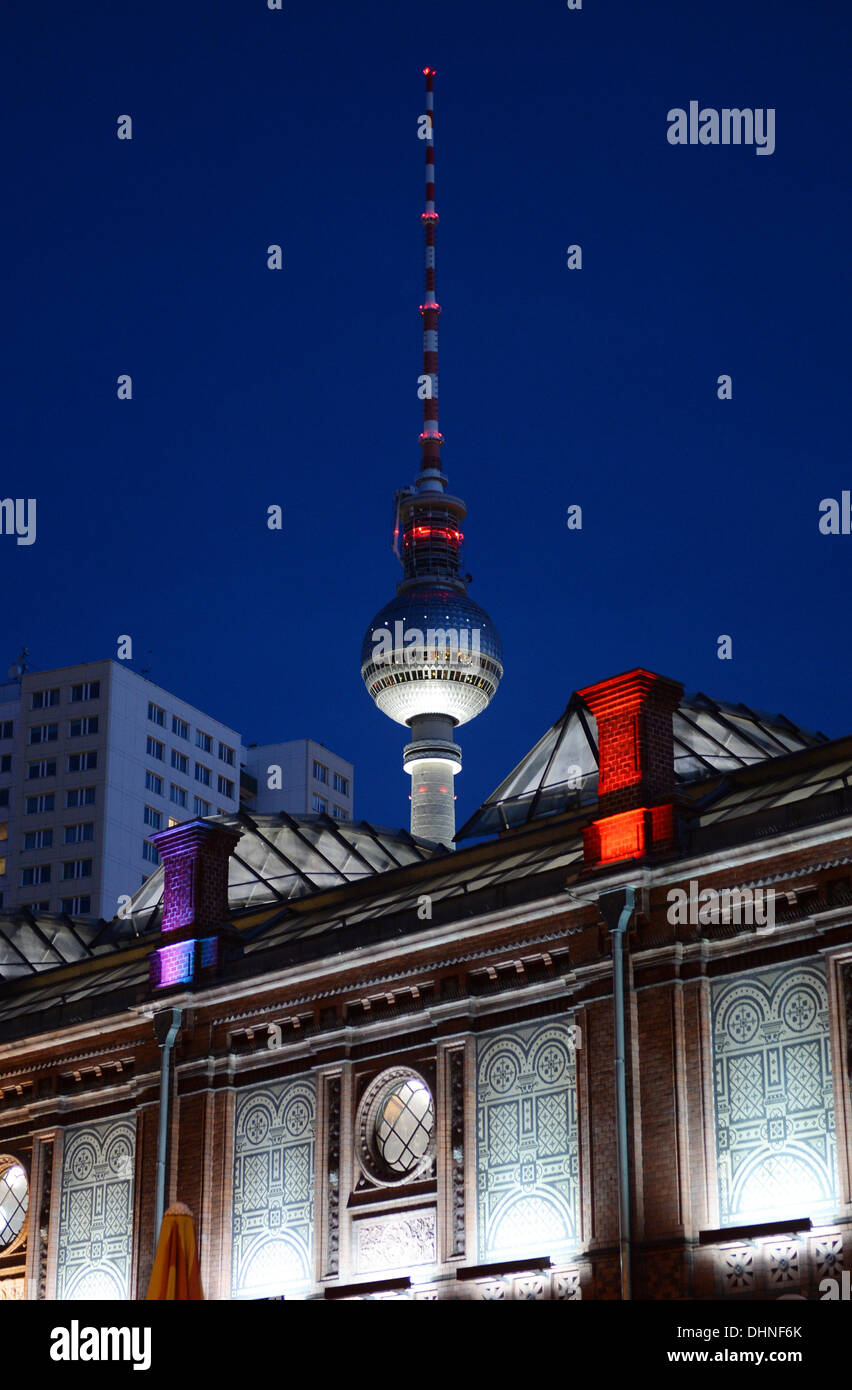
(404, 1125)
(14, 1199)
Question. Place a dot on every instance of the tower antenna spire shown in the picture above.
(431, 438)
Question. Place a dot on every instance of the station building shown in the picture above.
(599, 1051)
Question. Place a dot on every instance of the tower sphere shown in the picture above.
(431, 650)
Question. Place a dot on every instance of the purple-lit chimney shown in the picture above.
(195, 859)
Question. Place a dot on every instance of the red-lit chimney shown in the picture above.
(195, 859)
(635, 765)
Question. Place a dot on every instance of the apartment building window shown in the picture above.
(226, 754)
(180, 762)
(2, 866)
(341, 784)
(203, 741)
(200, 807)
(85, 690)
(149, 852)
(178, 795)
(172, 822)
(153, 818)
(155, 749)
(7, 728)
(36, 907)
(156, 715)
(79, 796)
(153, 783)
(4, 830)
(38, 839)
(82, 762)
(44, 699)
(77, 728)
(39, 805)
(202, 774)
(226, 786)
(338, 813)
(35, 873)
(43, 733)
(319, 804)
(180, 727)
(320, 771)
(45, 768)
(77, 868)
(73, 905)
(4, 796)
(78, 834)
(5, 762)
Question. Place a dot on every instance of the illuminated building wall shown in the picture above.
(96, 1215)
(527, 1170)
(273, 1215)
(373, 1102)
(774, 1101)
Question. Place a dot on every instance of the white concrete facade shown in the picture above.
(62, 777)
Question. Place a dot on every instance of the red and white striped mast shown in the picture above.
(431, 438)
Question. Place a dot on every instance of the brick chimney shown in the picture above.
(195, 859)
(635, 766)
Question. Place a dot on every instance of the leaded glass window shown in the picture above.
(14, 1198)
(404, 1125)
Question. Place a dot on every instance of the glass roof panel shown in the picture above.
(781, 791)
(711, 738)
(288, 857)
(277, 859)
(528, 773)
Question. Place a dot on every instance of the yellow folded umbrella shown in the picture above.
(176, 1273)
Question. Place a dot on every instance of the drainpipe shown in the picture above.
(166, 1028)
(620, 903)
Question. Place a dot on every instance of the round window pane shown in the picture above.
(14, 1197)
(404, 1125)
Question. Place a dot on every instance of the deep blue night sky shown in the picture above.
(596, 387)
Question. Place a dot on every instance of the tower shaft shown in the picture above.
(433, 815)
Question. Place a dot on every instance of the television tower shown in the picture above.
(431, 658)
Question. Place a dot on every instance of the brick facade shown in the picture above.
(223, 1049)
(477, 1006)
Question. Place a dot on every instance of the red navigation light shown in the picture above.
(428, 72)
(444, 533)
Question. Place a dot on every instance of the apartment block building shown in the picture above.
(301, 776)
(94, 758)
